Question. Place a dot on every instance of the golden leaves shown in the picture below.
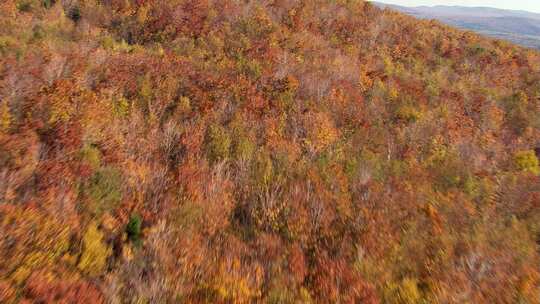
(5, 116)
(320, 131)
(95, 252)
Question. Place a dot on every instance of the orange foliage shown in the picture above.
(276, 151)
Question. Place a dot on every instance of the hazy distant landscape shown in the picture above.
(520, 27)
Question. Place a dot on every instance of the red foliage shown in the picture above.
(41, 288)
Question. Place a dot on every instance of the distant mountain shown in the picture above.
(517, 26)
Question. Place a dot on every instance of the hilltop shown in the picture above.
(287, 151)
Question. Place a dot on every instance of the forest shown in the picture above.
(263, 151)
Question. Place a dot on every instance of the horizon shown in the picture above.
(520, 5)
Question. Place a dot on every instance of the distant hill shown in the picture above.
(520, 27)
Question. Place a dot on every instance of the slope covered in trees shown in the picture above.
(286, 151)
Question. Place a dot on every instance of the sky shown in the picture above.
(526, 5)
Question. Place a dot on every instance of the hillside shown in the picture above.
(519, 27)
(280, 151)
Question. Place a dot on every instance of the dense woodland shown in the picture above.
(263, 151)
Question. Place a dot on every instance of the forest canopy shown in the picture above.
(263, 151)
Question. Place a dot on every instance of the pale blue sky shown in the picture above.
(527, 5)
